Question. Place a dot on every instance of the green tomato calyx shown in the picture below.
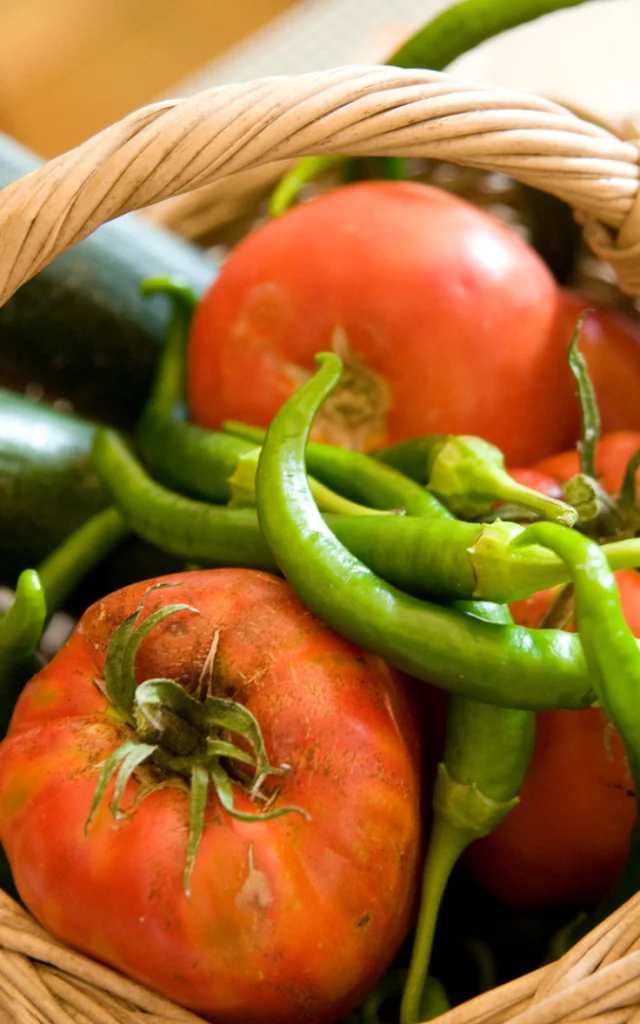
(203, 740)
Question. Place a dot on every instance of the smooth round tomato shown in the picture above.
(568, 838)
(445, 320)
(610, 343)
(289, 919)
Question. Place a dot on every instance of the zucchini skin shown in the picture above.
(81, 328)
(48, 485)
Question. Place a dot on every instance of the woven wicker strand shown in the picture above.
(172, 148)
(55, 985)
(42, 982)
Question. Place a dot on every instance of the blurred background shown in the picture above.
(69, 67)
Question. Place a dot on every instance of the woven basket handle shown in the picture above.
(173, 147)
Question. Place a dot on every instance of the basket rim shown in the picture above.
(170, 148)
(173, 147)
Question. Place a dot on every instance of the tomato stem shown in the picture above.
(588, 402)
(446, 845)
(181, 734)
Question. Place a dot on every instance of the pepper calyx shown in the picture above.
(465, 807)
(469, 476)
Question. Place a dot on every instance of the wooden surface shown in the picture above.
(71, 67)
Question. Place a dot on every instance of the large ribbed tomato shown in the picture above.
(445, 320)
(288, 919)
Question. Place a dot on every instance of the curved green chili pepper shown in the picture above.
(293, 181)
(194, 530)
(440, 558)
(466, 25)
(41, 592)
(464, 473)
(181, 454)
(504, 665)
(21, 627)
(487, 753)
(610, 649)
(442, 40)
(488, 748)
(613, 661)
(243, 491)
(202, 463)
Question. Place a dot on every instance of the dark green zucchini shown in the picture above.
(47, 484)
(80, 329)
(48, 487)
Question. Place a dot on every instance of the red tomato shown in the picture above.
(288, 919)
(613, 452)
(569, 837)
(445, 320)
(610, 343)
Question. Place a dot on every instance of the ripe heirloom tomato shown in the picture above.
(569, 836)
(445, 320)
(287, 919)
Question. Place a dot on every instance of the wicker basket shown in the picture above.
(250, 131)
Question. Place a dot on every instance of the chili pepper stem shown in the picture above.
(507, 571)
(288, 188)
(468, 475)
(462, 813)
(446, 845)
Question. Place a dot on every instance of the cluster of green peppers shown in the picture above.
(374, 546)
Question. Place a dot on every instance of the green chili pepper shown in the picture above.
(440, 558)
(243, 491)
(21, 627)
(612, 657)
(194, 530)
(466, 25)
(505, 665)
(488, 748)
(487, 753)
(181, 454)
(41, 592)
(442, 40)
(464, 473)
(357, 476)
